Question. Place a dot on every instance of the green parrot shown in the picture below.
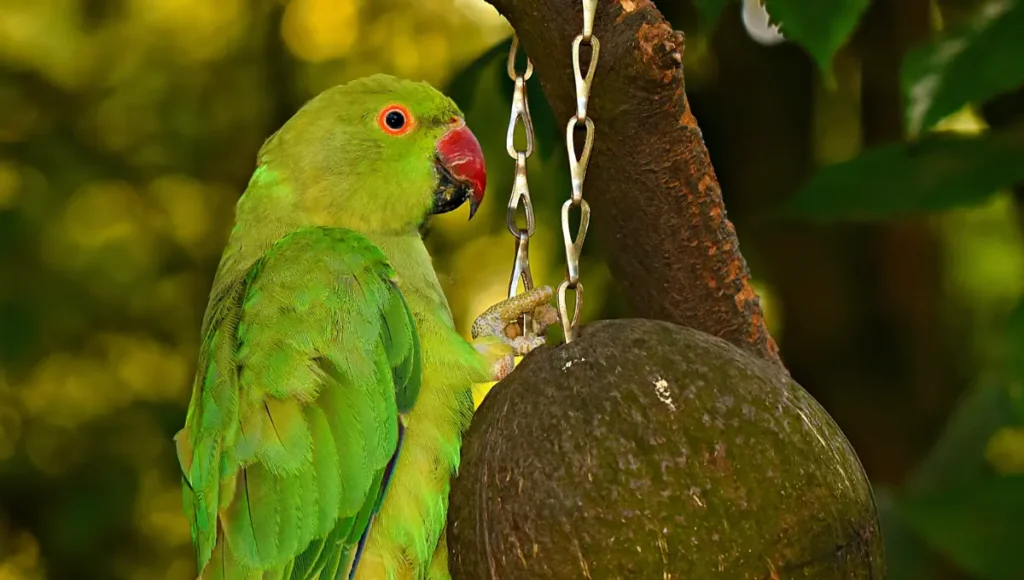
(332, 389)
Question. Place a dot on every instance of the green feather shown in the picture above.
(296, 417)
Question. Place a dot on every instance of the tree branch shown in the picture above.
(657, 205)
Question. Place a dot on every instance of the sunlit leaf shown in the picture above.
(968, 65)
(318, 30)
(1005, 450)
(820, 27)
(936, 173)
(10, 184)
(978, 526)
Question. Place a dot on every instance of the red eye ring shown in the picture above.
(395, 120)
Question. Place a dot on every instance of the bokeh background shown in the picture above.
(128, 129)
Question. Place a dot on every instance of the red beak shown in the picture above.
(462, 162)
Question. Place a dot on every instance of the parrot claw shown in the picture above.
(502, 367)
(503, 323)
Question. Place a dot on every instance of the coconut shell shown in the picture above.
(647, 450)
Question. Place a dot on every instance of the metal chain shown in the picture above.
(520, 198)
(578, 172)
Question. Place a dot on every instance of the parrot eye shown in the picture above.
(395, 120)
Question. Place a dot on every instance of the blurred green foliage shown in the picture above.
(129, 127)
(820, 27)
(965, 500)
(934, 173)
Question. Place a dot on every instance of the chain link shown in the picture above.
(578, 172)
(519, 202)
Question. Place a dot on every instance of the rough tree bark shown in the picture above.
(650, 179)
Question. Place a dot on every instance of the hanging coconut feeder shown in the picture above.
(643, 449)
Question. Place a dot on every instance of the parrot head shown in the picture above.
(377, 154)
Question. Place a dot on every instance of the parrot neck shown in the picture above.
(415, 269)
(269, 210)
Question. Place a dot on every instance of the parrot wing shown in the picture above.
(294, 425)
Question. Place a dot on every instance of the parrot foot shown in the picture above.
(502, 322)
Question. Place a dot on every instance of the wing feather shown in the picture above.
(305, 365)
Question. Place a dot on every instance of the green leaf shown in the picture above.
(938, 172)
(821, 27)
(970, 65)
(980, 527)
(710, 11)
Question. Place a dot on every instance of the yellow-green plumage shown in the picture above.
(326, 335)
(296, 427)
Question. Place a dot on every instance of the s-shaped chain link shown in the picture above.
(520, 198)
(578, 172)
